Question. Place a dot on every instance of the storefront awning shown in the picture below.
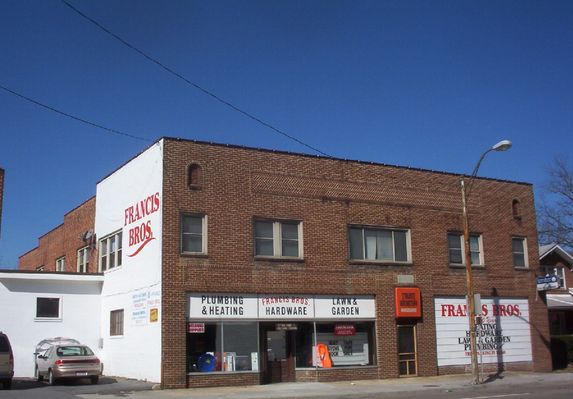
(559, 301)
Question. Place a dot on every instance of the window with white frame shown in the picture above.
(519, 250)
(110, 251)
(48, 308)
(380, 244)
(457, 250)
(83, 260)
(61, 264)
(116, 322)
(278, 239)
(194, 234)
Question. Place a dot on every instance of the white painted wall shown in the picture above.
(79, 305)
(135, 286)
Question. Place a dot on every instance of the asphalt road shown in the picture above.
(111, 387)
(534, 386)
(529, 391)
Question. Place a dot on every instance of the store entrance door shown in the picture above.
(407, 353)
(280, 361)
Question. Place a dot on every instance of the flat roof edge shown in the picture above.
(7, 274)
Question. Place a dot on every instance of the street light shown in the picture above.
(501, 146)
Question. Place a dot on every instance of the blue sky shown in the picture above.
(426, 84)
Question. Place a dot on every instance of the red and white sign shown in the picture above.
(344, 329)
(196, 328)
(503, 337)
(286, 307)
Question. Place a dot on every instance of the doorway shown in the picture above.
(407, 355)
(279, 360)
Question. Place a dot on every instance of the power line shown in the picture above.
(189, 82)
(114, 131)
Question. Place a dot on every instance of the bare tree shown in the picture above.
(556, 212)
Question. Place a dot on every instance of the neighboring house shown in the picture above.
(554, 260)
(227, 265)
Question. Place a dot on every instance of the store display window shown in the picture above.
(222, 347)
(337, 344)
(348, 344)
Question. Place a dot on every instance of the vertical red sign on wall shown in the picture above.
(408, 302)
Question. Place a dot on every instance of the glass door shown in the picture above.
(279, 356)
(407, 356)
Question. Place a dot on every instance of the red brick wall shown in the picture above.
(328, 195)
(64, 240)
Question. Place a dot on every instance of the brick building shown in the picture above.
(226, 265)
(69, 247)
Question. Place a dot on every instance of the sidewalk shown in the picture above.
(319, 390)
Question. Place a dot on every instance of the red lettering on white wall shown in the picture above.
(142, 233)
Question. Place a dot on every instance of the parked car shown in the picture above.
(65, 358)
(6, 361)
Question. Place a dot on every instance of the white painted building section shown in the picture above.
(77, 299)
(130, 201)
(503, 337)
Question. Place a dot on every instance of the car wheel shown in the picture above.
(7, 384)
(95, 379)
(39, 377)
(51, 379)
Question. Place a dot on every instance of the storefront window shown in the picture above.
(240, 346)
(349, 344)
(204, 347)
(227, 347)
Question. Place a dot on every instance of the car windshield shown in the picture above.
(74, 351)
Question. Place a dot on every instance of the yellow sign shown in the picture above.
(153, 315)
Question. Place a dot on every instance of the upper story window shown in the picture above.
(194, 176)
(516, 209)
(519, 250)
(110, 251)
(279, 239)
(558, 271)
(61, 264)
(83, 260)
(380, 244)
(456, 249)
(194, 234)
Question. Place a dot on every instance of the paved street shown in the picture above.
(26, 388)
(510, 385)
